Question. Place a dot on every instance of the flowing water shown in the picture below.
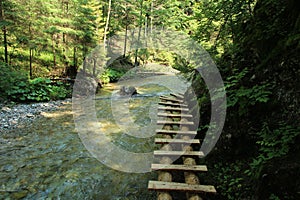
(47, 159)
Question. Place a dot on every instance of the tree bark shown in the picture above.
(125, 42)
(151, 17)
(30, 51)
(30, 61)
(139, 35)
(54, 50)
(107, 22)
(4, 30)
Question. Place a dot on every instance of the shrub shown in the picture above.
(10, 79)
(111, 75)
(16, 86)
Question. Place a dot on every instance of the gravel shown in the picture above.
(22, 114)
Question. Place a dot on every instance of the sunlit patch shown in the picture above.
(56, 114)
(108, 127)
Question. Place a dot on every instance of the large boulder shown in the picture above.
(85, 84)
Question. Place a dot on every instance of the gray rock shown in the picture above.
(127, 90)
(7, 168)
(30, 115)
(6, 109)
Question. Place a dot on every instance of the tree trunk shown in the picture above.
(151, 17)
(4, 30)
(107, 22)
(125, 42)
(74, 67)
(30, 51)
(5, 44)
(30, 62)
(95, 66)
(139, 35)
(54, 50)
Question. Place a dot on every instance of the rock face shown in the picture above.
(127, 91)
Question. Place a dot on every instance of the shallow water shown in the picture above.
(47, 159)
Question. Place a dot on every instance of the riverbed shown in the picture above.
(47, 158)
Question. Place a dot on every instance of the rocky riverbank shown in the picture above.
(21, 114)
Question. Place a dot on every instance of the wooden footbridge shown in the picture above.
(177, 143)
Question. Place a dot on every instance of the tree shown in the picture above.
(4, 30)
(107, 22)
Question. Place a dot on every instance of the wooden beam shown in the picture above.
(176, 141)
(161, 131)
(174, 123)
(171, 186)
(174, 115)
(197, 168)
(177, 96)
(178, 153)
(172, 104)
(170, 99)
(173, 109)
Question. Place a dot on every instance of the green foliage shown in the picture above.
(272, 144)
(10, 78)
(245, 96)
(111, 75)
(230, 179)
(274, 197)
(182, 65)
(58, 92)
(16, 87)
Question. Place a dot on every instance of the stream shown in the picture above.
(47, 159)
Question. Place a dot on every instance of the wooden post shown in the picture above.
(190, 177)
(165, 175)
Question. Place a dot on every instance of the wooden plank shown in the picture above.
(196, 168)
(161, 131)
(174, 115)
(177, 96)
(171, 186)
(170, 99)
(178, 153)
(174, 123)
(176, 141)
(173, 109)
(172, 104)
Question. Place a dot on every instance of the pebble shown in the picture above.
(13, 117)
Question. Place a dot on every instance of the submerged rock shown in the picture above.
(20, 194)
(128, 91)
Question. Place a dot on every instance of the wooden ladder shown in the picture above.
(174, 112)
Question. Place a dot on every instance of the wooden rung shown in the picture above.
(172, 104)
(170, 99)
(173, 109)
(174, 115)
(171, 186)
(161, 131)
(174, 123)
(177, 96)
(196, 168)
(176, 141)
(178, 153)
